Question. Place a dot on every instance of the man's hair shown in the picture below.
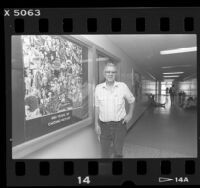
(109, 64)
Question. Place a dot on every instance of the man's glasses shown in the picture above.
(108, 72)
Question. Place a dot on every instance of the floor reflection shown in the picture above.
(163, 99)
(163, 133)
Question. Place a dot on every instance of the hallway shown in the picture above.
(53, 108)
(169, 132)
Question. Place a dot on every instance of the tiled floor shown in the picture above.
(169, 132)
(163, 133)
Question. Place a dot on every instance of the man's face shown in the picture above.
(110, 73)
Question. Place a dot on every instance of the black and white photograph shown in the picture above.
(104, 96)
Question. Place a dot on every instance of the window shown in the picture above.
(164, 86)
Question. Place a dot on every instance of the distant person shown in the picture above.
(179, 97)
(167, 91)
(183, 98)
(110, 113)
(172, 93)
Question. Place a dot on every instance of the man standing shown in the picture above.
(172, 92)
(110, 113)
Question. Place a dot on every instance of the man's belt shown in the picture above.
(108, 122)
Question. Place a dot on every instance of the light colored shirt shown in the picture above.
(111, 103)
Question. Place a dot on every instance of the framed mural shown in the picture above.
(54, 81)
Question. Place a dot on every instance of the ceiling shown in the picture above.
(144, 50)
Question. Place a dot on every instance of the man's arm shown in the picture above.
(131, 109)
(97, 127)
(129, 116)
(96, 118)
(131, 100)
(96, 115)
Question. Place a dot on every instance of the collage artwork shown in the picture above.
(52, 75)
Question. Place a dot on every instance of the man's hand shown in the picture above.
(97, 129)
(127, 118)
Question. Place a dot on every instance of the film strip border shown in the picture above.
(111, 21)
(103, 172)
(115, 25)
(93, 168)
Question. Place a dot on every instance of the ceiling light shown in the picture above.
(173, 72)
(168, 80)
(174, 76)
(178, 50)
(175, 66)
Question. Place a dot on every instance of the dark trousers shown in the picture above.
(172, 97)
(112, 139)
